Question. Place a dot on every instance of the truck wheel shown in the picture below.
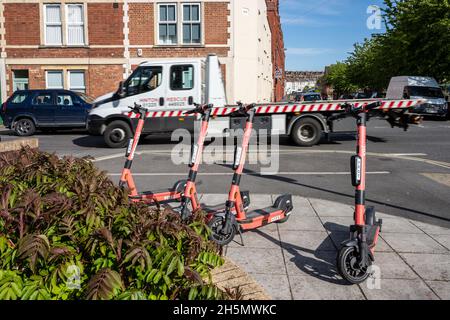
(306, 132)
(117, 134)
(24, 127)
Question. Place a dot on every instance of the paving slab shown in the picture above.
(257, 260)
(312, 240)
(260, 238)
(339, 237)
(399, 225)
(413, 243)
(276, 285)
(326, 208)
(432, 229)
(393, 267)
(443, 239)
(302, 207)
(400, 289)
(441, 288)
(310, 288)
(430, 266)
(318, 264)
(301, 223)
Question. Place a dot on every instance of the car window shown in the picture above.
(85, 97)
(19, 97)
(64, 100)
(182, 77)
(43, 99)
(144, 79)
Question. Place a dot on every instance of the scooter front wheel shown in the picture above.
(349, 268)
(217, 234)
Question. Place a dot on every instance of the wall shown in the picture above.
(252, 67)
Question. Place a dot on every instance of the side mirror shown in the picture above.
(120, 90)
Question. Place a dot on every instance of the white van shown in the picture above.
(424, 88)
(170, 84)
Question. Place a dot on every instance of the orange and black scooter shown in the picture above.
(177, 191)
(357, 253)
(234, 218)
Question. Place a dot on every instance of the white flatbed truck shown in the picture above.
(169, 87)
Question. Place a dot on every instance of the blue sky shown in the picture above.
(318, 33)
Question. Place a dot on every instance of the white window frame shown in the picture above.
(67, 24)
(54, 71)
(167, 22)
(76, 88)
(191, 22)
(53, 23)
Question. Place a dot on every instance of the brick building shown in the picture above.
(91, 45)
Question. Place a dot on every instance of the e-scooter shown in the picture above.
(175, 193)
(233, 218)
(357, 253)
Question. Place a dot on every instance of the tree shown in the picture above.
(337, 77)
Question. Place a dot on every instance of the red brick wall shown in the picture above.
(22, 23)
(102, 79)
(141, 23)
(278, 54)
(65, 53)
(105, 23)
(36, 76)
(216, 22)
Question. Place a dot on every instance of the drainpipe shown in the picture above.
(126, 40)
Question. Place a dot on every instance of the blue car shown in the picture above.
(29, 110)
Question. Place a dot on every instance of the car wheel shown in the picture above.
(306, 132)
(117, 134)
(24, 127)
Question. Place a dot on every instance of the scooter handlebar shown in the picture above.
(243, 109)
(200, 108)
(138, 108)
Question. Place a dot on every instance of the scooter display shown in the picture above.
(357, 253)
(234, 218)
(167, 195)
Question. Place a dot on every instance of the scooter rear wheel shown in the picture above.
(217, 235)
(347, 264)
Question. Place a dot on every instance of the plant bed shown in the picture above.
(67, 232)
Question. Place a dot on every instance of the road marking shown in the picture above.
(305, 173)
(439, 178)
(401, 156)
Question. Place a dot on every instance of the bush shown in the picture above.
(67, 232)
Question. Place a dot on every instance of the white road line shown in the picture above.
(250, 174)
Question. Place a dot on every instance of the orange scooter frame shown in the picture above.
(177, 191)
(235, 218)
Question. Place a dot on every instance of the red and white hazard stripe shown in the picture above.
(285, 108)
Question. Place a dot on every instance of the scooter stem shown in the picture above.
(361, 188)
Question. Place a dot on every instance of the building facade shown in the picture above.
(92, 45)
(297, 81)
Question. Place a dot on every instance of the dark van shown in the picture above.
(29, 110)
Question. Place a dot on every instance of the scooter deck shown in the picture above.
(158, 195)
(261, 217)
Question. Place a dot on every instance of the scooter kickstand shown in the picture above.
(242, 239)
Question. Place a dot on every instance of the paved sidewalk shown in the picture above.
(296, 260)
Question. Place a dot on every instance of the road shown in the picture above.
(409, 172)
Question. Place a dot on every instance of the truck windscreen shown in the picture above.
(428, 92)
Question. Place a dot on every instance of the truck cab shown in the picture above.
(161, 85)
(424, 88)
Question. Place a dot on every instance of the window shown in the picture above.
(182, 77)
(53, 24)
(20, 80)
(75, 24)
(168, 24)
(68, 18)
(76, 81)
(191, 24)
(43, 99)
(64, 100)
(54, 79)
(19, 98)
(144, 79)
